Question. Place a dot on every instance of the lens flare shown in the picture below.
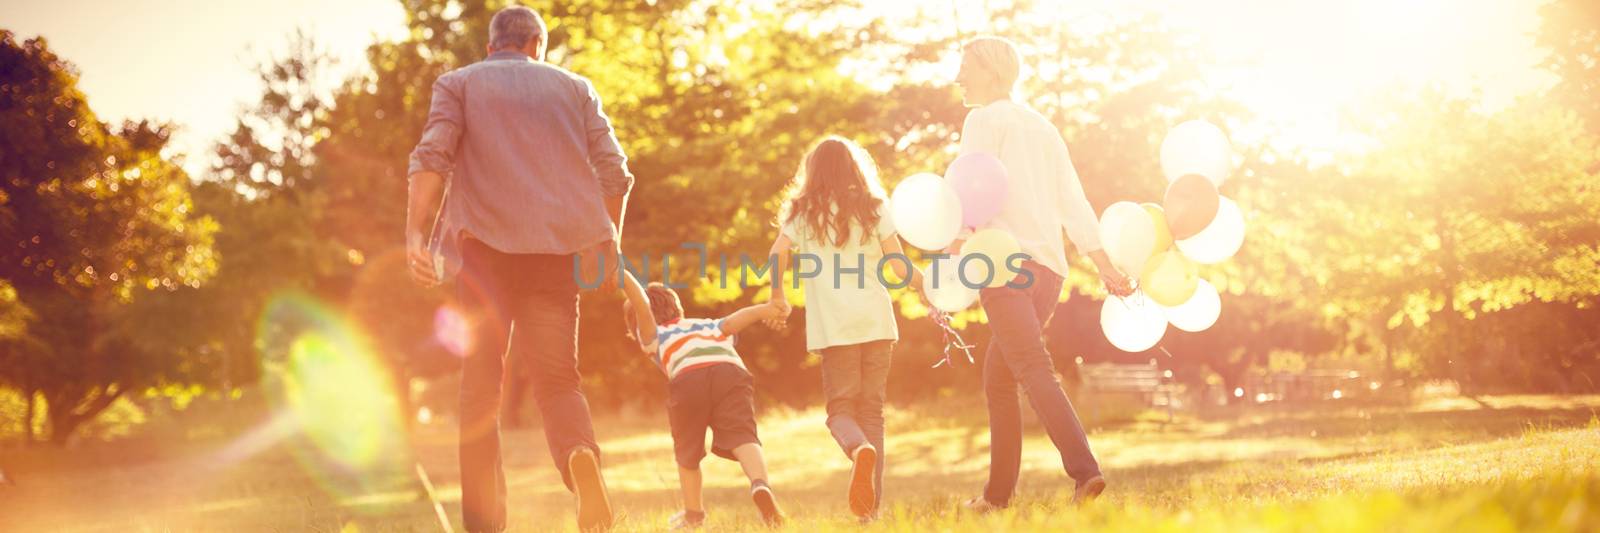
(325, 379)
(452, 331)
(339, 406)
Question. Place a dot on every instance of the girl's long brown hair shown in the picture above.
(839, 173)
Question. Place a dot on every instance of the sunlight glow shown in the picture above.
(1298, 64)
(323, 375)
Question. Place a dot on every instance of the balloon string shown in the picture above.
(952, 339)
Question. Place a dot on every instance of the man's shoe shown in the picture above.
(980, 505)
(863, 481)
(767, 503)
(1088, 490)
(686, 520)
(594, 507)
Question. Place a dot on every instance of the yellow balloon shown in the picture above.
(998, 246)
(1163, 233)
(1169, 278)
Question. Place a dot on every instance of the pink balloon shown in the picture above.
(980, 182)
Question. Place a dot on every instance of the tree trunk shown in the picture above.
(1388, 339)
(67, 409)
(402, 393)
(1230, 381)
(28, 436)
(1233, 377)
(62, 422)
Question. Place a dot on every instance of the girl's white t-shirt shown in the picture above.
(844, 308)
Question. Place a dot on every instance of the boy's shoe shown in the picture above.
(980, 505)
(863, 489)
(686, 519)
(767, 503)
(594, 507)
(1088, 490)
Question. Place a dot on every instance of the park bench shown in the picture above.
(1315, 384)
(1147, 382)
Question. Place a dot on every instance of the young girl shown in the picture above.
(837, 215)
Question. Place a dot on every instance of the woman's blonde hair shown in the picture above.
(997, 55)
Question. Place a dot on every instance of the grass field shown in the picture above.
(1511, 464)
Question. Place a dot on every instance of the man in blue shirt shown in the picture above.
(536, 178)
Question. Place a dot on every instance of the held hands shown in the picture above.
(419, 262)
(780, 320)
(604, 257)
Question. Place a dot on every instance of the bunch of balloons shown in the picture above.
(930, 211)
(1163, 245)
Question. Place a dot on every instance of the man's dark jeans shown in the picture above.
(529, 301)
(1017, 355)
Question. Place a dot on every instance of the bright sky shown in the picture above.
(190, 61)
(1297, 61)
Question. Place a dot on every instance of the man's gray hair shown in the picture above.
(514, 27)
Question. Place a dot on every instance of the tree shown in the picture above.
(97, 221)
(1456, 214)
(1570, 29)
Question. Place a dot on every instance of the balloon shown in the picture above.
(1132, 324)
(1169, 279)
(1197, 147)
(1129, 236)
(926, 211)
(1191, 204)
(1163, 233)
(980, 181)
(1200, 312)
(998, 246)
(944, 288)
(1218, 241)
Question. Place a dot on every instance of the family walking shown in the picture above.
(532, 179)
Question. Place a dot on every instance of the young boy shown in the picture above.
(708, 386)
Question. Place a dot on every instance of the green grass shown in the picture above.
(1521, 464)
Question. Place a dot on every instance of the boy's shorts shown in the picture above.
(720, 397)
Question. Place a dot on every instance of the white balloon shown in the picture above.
(1132, 324)
(944, 288)
(1197, 147)
(1200, 312)
(1220, 240)
(1129, 236)
(926, 211)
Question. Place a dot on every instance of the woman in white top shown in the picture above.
(1045, 199)
(836, 218)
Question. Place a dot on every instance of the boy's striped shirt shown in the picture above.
(689, 343)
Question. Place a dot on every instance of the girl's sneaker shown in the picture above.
(863, 482)
(686, 520)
